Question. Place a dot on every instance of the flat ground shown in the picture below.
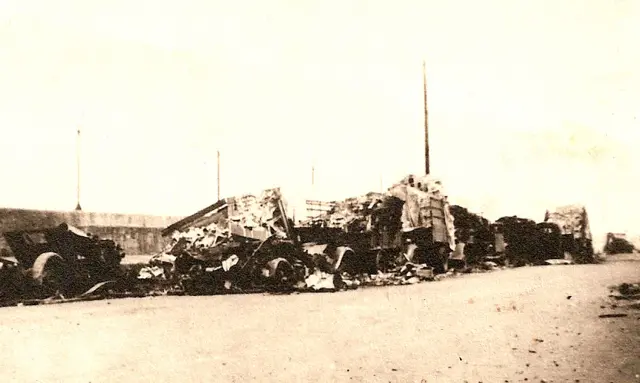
(530, 324)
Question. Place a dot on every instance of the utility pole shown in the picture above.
(78, 207)
(218, 182)
(313, 170)
(426, 120)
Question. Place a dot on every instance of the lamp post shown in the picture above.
(426, 120)
(78, 207)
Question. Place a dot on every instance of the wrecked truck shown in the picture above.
(573, 233)
(617, 243)
(480, 241)
(520, 238)
(238, 244)
(61, 260)
(411, 223)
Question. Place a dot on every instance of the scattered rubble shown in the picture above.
(627, 295)
(58, 261)
(520, 235)
(618, 315)
(248, 243)
(406, 235)
(238, 244)
(576, 239)
(411, 223)
(564, 237)
(151, 272)
(478, 239)
(629, 290)
(618, 244)
(558, 262)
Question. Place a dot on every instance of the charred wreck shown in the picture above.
(239, 244)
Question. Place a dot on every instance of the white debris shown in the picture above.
(320, 280)
(228, 263)
(151, 272)
(558, 262)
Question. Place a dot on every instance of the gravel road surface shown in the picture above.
(532, 324)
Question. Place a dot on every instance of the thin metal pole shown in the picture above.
(78, 207)
(218, 175)
(426, 121)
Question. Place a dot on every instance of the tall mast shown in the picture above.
(78, 207)
(218, 175)
(426, 121)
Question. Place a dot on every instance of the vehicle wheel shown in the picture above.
(349, 263)
(505, 261)
(183, 264)
(444, 257)
(441, 265)
(379, 261)
(49, 273)
(385, 260)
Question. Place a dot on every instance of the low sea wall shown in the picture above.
(137, 234)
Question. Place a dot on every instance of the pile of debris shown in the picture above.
(408, 274)
(425, 206)
(564, 237)
(352, 214)
(477, 236)
(238, 244)
(61, 261)
(403, 236)
(573, 222)
(521, 237)
(381, 232)
(248, 243)
(627, 295)
(618, 244)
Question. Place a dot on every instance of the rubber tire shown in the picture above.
(284, 275)
(442, 257)
(50, 274)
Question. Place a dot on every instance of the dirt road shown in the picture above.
(522, 325)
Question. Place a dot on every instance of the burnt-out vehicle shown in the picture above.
(482, 241)
(617, 243)
(410, 223)
(331, 248)
(550, 243)
(238, 243)
(574, 232)
(520, 237)
(59, 260)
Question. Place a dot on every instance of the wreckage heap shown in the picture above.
(572, 220)
(414, 202)
(249, 216)
(411, 222)
(248, 242)
(238, 243)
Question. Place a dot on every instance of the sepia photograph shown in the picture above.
(320, 191)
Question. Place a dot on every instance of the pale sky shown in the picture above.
(532, 104)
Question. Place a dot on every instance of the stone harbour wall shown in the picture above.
(137, 234)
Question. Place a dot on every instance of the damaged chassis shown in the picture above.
(58, 260)
(380, 232)
(238, 243)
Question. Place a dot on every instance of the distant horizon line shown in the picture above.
(90, 212)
